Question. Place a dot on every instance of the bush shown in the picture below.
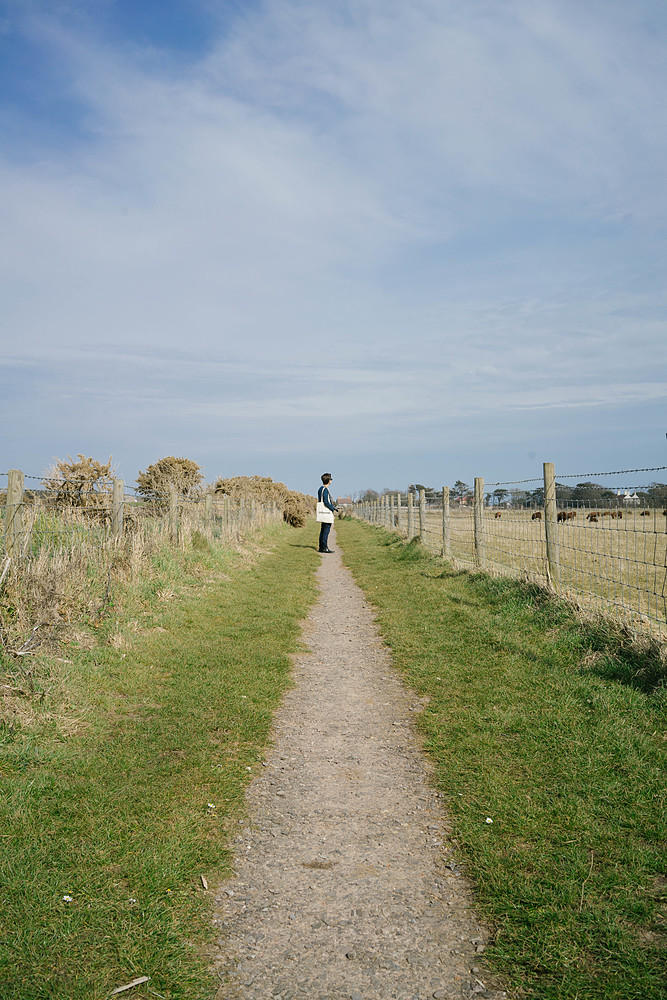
(182, 473)
(296, 507)
(85, 484)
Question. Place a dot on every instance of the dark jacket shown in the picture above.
(324, 496)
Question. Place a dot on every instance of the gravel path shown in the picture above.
(347, 886)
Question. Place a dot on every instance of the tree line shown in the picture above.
(584, 494)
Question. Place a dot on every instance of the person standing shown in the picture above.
(325, 512)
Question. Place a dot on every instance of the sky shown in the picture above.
(400, 242)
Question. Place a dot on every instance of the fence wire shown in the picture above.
(45, 523)
(610, 554)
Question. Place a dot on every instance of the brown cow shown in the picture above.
(593, 516)
(497, 514)
(644, 513)
(562, 515)
(537, 516)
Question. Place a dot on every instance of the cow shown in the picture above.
(537, 516)
(593, 516)
(497, 514)
(644, 513)
(562, 515)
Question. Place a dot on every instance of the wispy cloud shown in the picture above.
(403, 214)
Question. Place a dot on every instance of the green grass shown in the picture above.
(107, 783)
(556, 730)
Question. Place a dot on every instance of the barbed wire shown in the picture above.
(580, 475)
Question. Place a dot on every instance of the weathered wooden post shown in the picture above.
(411, 517)
(422, 514)
(225, 510)
(208, 513)
(173, 512)
(392, 511)
(117, 507)
(399, 509)
(14, 513)
(445, 522)
(253, 511)
(551, 525)
(480, 554)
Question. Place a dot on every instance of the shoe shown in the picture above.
(331, 551)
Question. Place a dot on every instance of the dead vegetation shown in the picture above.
(296, 507)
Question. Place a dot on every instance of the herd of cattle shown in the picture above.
(593, 515)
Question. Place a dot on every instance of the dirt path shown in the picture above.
(346, 884)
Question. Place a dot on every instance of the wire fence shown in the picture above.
(607, 552)
(39, 523)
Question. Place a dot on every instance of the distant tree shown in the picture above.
(499, 495)
(84, 483)
(589, 492)
(182, 473)
(564, 492)
(657, 491)
(460, 491)
(368, 495)
(518, 498)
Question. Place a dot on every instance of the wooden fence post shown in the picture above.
(551, 525)
(422, 514)
(392, 512)
(14, 513)
(399, 510)
(445, 522)
(225, 510)
(411, 517)
(480, 555)
(208, 512)
(173, 512)
(117, 507)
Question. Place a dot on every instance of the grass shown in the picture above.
(555, 729)
(123, 776)
(617, 565)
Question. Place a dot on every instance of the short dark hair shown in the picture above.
(326, 478)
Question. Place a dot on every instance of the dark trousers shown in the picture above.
(325, 528)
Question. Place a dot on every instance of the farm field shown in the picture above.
(616, 565)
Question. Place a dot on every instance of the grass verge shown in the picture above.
(122, 781)
(550, 746)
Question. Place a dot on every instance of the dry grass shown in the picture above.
(616, 565)
(63, 582)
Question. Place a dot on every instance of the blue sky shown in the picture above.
(401, 242)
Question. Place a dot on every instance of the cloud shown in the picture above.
(398, 214)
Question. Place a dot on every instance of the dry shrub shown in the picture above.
(296, 507)
(159, 477)
(85, 484)
(294, 513)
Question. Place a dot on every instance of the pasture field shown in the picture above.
(615, 565)
(547, 735)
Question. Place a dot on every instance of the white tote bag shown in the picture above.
(323, 513)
